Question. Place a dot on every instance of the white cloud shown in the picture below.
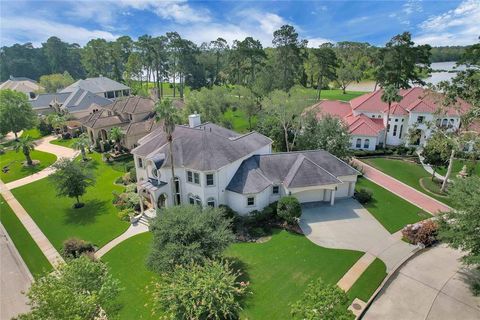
(358, 20)
(39, 30)
(316, 42)
(412, 6)
(459, 26)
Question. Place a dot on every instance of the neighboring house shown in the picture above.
(21, 84)
(77, 103)
(101, 86)
(216, 166)
(366, 117)
(134, 115)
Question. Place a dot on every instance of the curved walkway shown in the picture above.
(432, 285)
(44, 145)
(429, 168)
(402, 190)
(133, 230)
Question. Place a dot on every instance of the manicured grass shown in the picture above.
(333, 94)
(433, 186)
(36, 262)
(408, 172)
(369, 281)
(34, 133)
(14, 161)
(127, 264)
(64, 142)
(278, 270)
(457, 167)
(97, 221)
(390, 210)
(239, 120)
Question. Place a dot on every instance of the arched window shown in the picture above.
(366, 144)
(211, 202)
(359, 143)
(198, 201)
(394, 130)
(155, 172)
(191, 199)
(444, 122)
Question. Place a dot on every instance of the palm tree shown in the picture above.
(56, 121)
(81, 144)
(390, 95)
(26, 144)
(116, 135)
(166, 112)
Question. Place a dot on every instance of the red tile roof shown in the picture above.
(332, 107)
(397, 110)
(362, 125)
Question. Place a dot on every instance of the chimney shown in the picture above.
(194, 120)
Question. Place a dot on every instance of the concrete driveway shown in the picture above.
(433, 285)
(348, 225)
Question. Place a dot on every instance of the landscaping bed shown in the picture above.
(35, 260)
(14, 160)
(96, 222)
(390, 210)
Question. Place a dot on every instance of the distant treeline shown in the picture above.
(442, 54)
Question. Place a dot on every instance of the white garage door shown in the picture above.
(342, 190)
(310, 196)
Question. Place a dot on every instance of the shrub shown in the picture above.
(364, 195)
(133, 175)
(424, 232)
(119, 180)
(125, 214)
(186, 233)
(289, 209)
(66, 135)
(44, 128)
(322, 301)
(74, 248)
(193, 291)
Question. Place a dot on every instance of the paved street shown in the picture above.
(431, 286)
(14, 279)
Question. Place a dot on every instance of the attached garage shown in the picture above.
(343, 190)
(310, 195)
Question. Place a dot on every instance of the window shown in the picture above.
(196, 178)
(394, 130)
(211, 202)
(155, 172)
(130, 117)
(210, 181)
(250, 201)
(191, 199)
(110, 95)
(189, 176)
(444, 122)
(420, 119)
(396, 120)
(366, 144)
(176, 184)
(400, 133)
(275, 189)
(198, 201)
(140, 163)
(388, 127)
(194, 199)
(373, 116)
(359, 143)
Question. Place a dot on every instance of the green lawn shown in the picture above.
(457, 167)
(333, 94)
(239, 120)
(36, 262)
(279, 271)
(96, 222)
(369, 281)
(64, 142)
(407, 172)
(17, 170)
(34, 133)
(390, 210)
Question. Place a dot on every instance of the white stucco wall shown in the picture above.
(373, 141)
(398, 125)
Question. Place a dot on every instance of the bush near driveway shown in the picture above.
(289, 209)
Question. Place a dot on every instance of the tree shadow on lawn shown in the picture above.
(240, 266)
(87, 214)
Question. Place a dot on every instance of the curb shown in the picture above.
(16, 254)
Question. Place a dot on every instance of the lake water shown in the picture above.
(435, 77)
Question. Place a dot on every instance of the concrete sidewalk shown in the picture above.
(402, 190)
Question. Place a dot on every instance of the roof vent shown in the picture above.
(194, 120)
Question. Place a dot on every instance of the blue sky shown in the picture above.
(430, 21)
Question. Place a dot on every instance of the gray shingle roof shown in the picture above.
(77, 100)
(132, 105)
(293, 169)
(101, 119)
(96, 85)
(206, 147)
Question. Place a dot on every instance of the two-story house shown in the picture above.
(366, 117)
(216, 166)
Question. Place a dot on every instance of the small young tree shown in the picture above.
(460, 227)
(436, 152)
(26, 144)
(56, 121)
(16, 113)
(186, 233)
(82, 144)
(289, 209)
(71, 180)
(321, 301)
(193, 291)
(80, 289)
